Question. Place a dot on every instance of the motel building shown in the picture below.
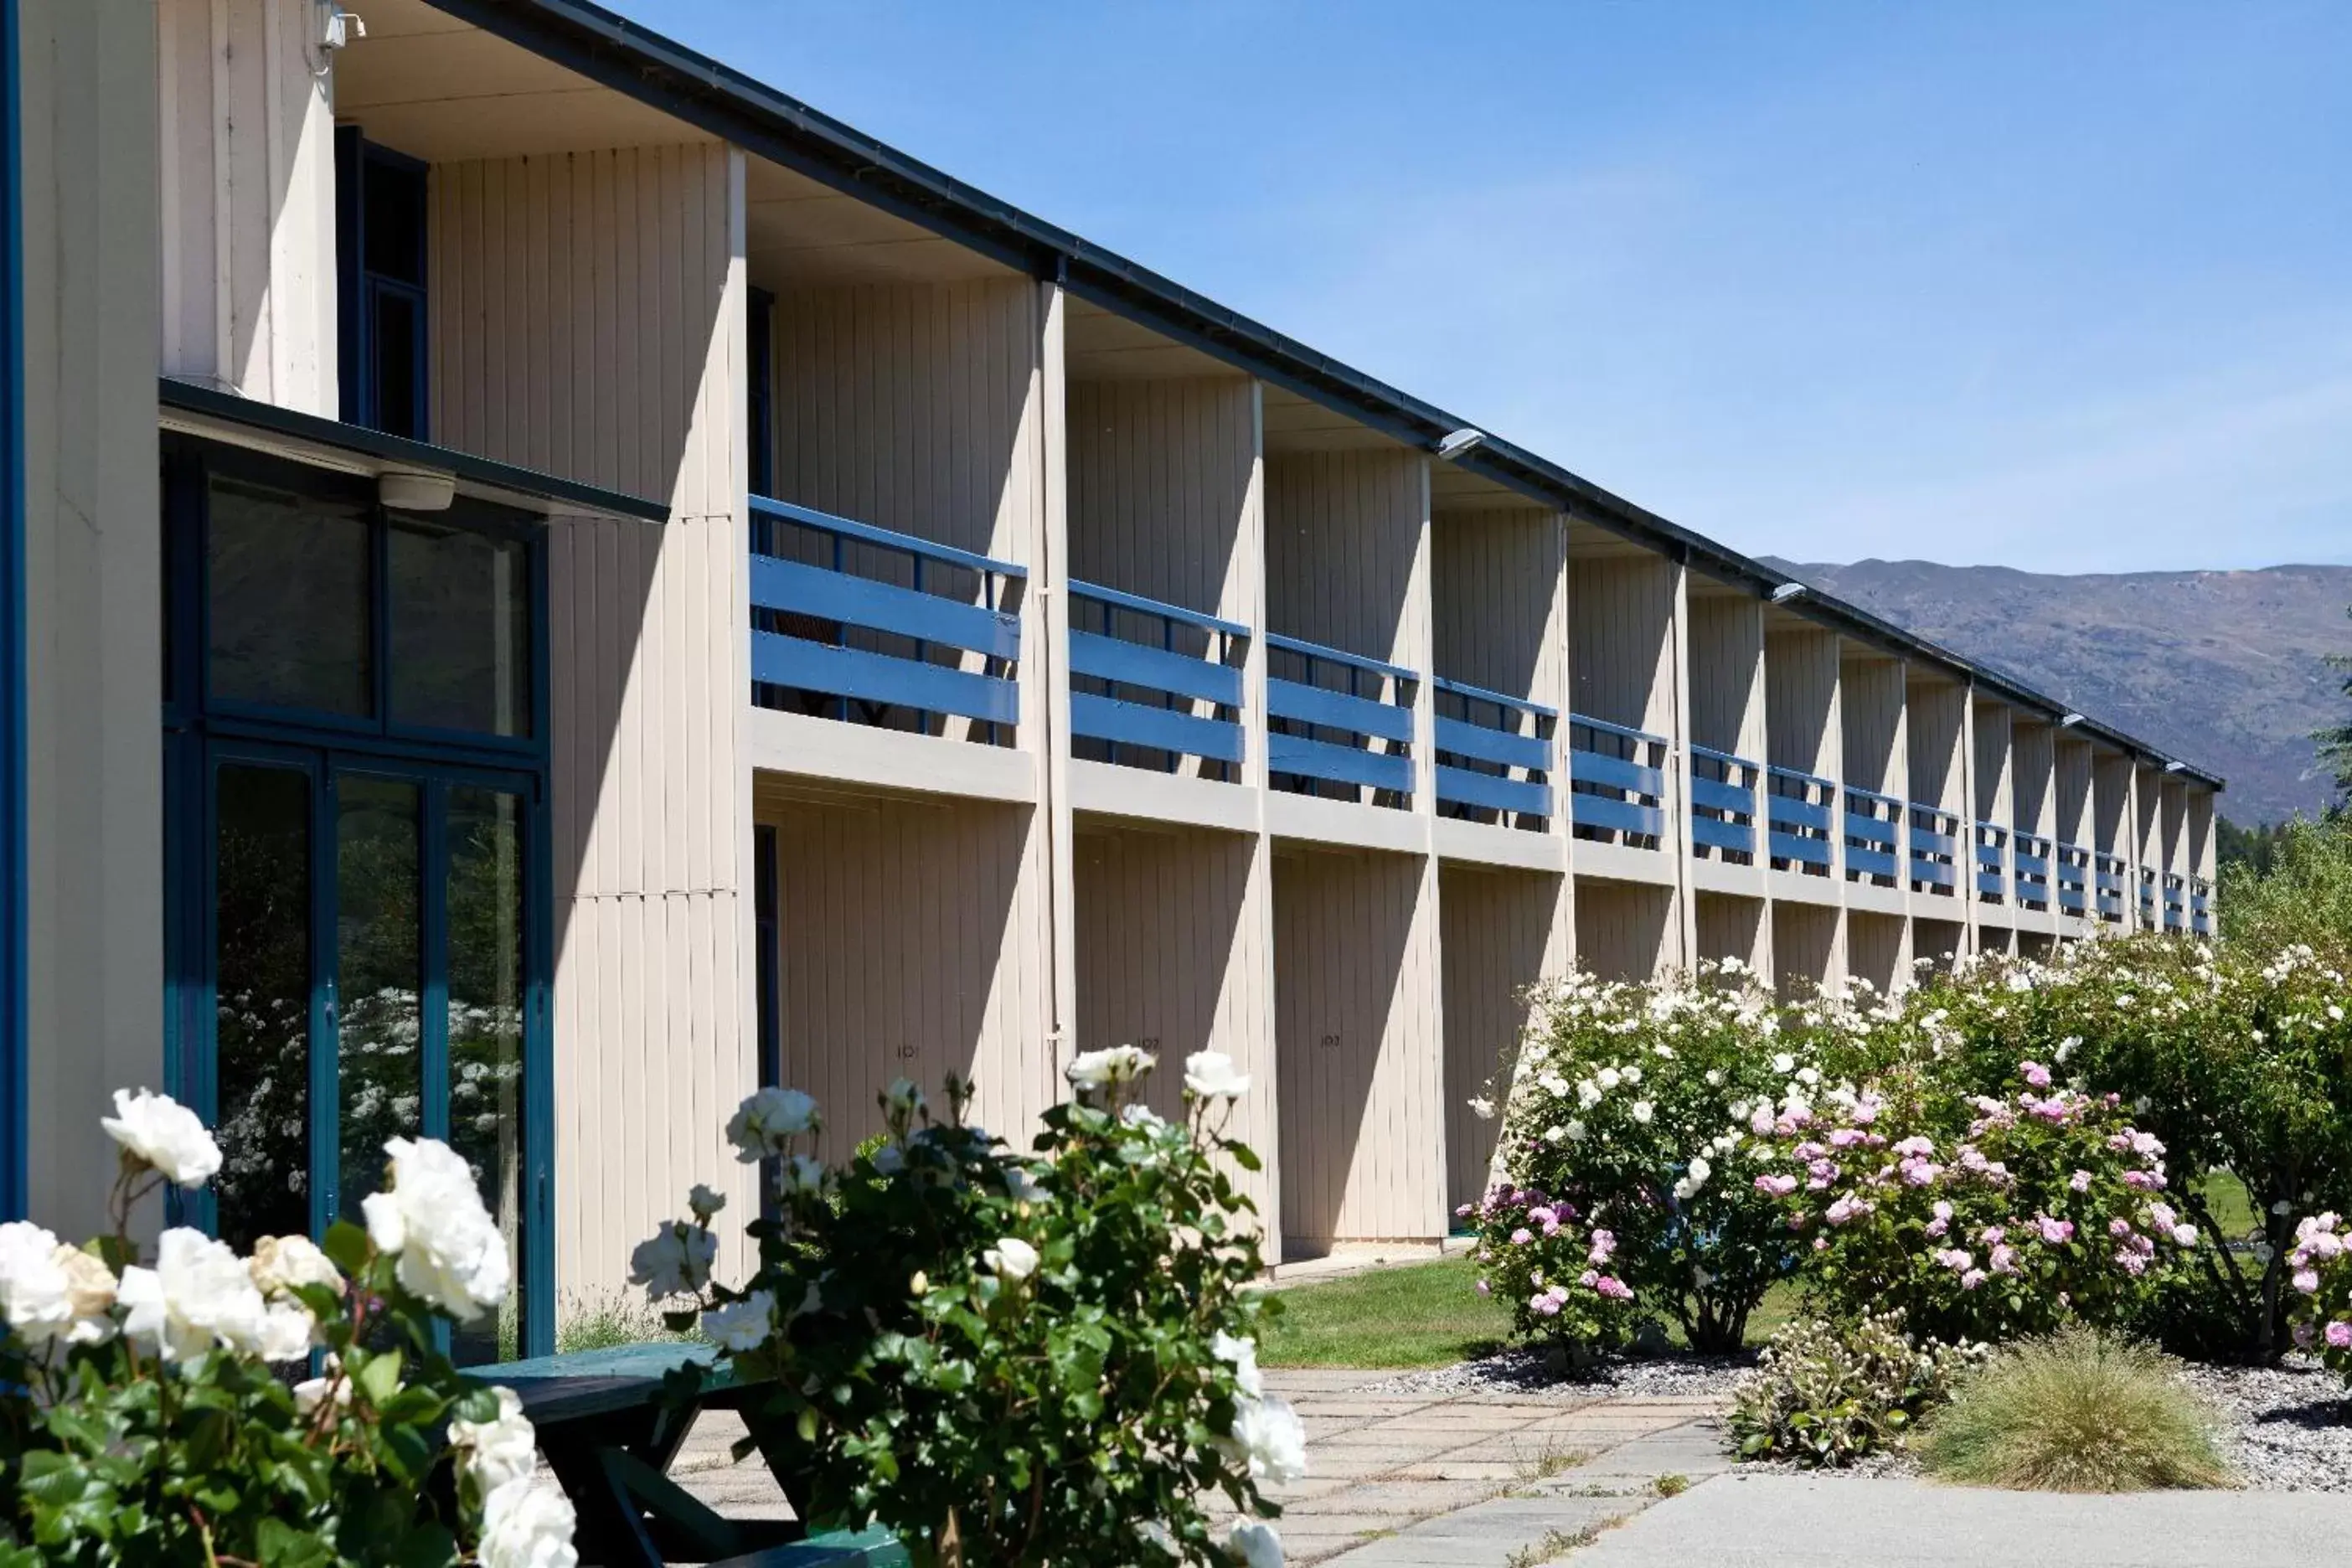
(550, 585)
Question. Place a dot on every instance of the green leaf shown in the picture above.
(348, 1245)
(379, 1379)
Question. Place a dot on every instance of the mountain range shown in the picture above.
(2224, 669)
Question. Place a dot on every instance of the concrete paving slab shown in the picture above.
(1774, 1520)
(1487, 1536)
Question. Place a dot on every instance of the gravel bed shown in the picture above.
(2285, 1428)
(1527, 1374)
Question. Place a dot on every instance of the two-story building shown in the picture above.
(559, 584)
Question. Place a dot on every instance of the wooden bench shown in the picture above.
(610, 1430)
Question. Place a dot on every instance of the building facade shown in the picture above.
(562, 584)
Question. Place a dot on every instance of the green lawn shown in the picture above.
(1417, 1315)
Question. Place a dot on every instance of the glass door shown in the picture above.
(371, 963)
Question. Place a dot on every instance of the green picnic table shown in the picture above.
(609, 1430)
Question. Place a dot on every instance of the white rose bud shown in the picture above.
(1010, 1259)
(159, 1132)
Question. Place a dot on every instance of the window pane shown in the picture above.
(288, 600)
(261, 917)
(377, 976)
(486, 1010)
(394, 197)
(460, 629)
(398, 344)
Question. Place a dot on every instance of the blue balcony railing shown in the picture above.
(2175, 902)
(1339, 719)
(1617, 782)
(2147, 897)
(1494, 752)
(1800, 821)
(1873, 836)
(2073, 870)
(2108, 885)
(1935, 850)
(1723, 804)
(1154, 683)
(2030, 854)
(2201, 894)
(1992, 863)
(856, 623)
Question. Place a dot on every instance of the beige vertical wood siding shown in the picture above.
(1993, 783)
(912, 941)
(2035, 766)
(1877, 949)
(94, 854)
(1161, 489)
(1800, 671)
(1936, 718)
(1345, 534)
(1732, 928)
(1173, 931)
(2071, 784)
(1358, 1008)
(1726, 665)
(1808, 947)
(914, 407)
(1500, 934)
(1870, 703)
(587, 317)
(1938, 942)
(2111, 802)
(1500, 600)
(1624, 931)
(1620, 615)
(2175, 827)
(246, 175)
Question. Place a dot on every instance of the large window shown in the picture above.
(380, 245)
(357, 847)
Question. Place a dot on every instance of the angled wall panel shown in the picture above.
(1501, 936)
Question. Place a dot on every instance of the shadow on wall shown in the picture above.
(1343, 924)
(895, 959)
(1622, 928)
(1495, 929)
(1159, 921)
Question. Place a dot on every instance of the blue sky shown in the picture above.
(2065, 287)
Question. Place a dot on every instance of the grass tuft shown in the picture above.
(608, 1319)
(1556, 1543)
(1671, 1485)
(2076, 1412)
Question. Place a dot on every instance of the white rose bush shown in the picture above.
(1008, 1359)
(286, 1408)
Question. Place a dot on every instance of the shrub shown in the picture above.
(1625, 1108)
(2075, 1412)
(1008, 1360)
(2301, 897)
(2237, 1057)
(1824, 1394)
(143, 1415)
(2043, 1209)
(1560, 1282)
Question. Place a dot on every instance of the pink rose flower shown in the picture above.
(1775, 1186)
(2055, 1232)
(2306, 1280)
(2080, 1181)
(2036, 1074)
(1522, 1236)
(2340, 1335)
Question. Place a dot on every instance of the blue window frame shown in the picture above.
(759, 310)
(359, 896)
(13, 905)
(380, 245)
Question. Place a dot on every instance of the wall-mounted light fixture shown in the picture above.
(414, 489)
(334, 27)
(2175, 767)
(1461, 444)
(2068, 721)
(1788, 591)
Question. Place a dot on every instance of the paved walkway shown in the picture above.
(1779, 1520)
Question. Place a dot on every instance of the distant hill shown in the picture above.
(2223, 669)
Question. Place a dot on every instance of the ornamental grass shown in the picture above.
(2076, 1411)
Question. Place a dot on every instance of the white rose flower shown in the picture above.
(158, 1130)
(1588, 1094)
(767, 1122)
(1211, 1075)
(800, 1173)
(198, 1297)
(1784, 1064)
(451, 1254)
(889, 1160)
(1575, 1130)
(1699, 1171)
(1554, 1134)
(1269, 1435)
(1808, 1077)
(496, 1452)
(1010, 1259)
(1632, 1074)
(311, 1392)
(703, 1202)
(1142, 1116)
(903, 1096)
(1241, 1355)
(1715, 1078)
(46, 1295)
(1643, 1111)
(283, 1262)
(674, 1261)
(1023, 1186)
(526, 1525)
(1255, 1542)
(1114, 1064)
(1609, 1078)
(1482, 1108)
(742, 1325)
(1552, 1083)
(288, 1331)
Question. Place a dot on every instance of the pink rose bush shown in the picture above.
(2320, 1288)
(1560, 1277)
(2045, 1208)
